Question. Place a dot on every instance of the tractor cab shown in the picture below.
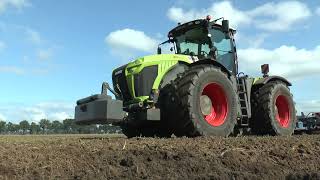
(205, 39)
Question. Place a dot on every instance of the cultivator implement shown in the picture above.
(308, 123)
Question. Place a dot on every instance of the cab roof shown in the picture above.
(191, 24)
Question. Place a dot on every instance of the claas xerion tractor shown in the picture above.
(197, 91)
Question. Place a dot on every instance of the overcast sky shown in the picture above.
(55, 52)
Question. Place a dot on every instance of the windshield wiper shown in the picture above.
(225, 51)
(167, 41)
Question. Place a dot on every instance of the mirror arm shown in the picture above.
(159, 50)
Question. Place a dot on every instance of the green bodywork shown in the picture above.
(164, 61)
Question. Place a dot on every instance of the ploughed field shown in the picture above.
(113, 157)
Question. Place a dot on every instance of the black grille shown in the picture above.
(119, 79)
(143, 81)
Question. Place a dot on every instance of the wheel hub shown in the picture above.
(214, 98)
(205, 105)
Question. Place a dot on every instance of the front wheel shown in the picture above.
(207, 103)
(273, 110)
(132, 126)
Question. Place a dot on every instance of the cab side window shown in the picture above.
(224, 48)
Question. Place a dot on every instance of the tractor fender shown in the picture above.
(265, 80)
(172, 73)
(214, 63)
(169, 77)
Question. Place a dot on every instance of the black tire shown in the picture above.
(268, 102)
(134, 127)
(168, 108)
(167, 98)
(190, 87)
(129, 130)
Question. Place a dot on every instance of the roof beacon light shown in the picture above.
(208, 18)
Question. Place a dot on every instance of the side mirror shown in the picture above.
(225, 26)
(159, 50)
(265, 70)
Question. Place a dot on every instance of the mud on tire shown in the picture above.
(273, 110)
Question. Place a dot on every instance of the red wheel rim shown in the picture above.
(283, 111)
(219, 104)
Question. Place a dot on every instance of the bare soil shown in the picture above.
(108, 157)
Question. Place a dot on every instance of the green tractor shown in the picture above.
(197, 91)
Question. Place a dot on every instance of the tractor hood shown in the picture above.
(159, 57)
(136, 80)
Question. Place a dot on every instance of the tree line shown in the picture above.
(46, 126)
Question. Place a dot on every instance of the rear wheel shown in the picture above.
(273, 110)
(207, 103)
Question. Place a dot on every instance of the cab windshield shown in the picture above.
(194, 42)
(199, 41)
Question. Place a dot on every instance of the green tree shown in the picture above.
(68, 125)
(10, 127)
(2, 126)
(24, 125)
(44, 125)
(56, 126)
(34, 128)
(87, 129)
(109, 128)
